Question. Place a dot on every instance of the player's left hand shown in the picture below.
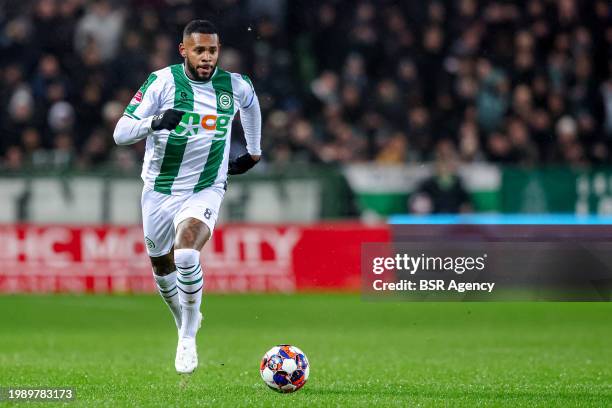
(242, 164)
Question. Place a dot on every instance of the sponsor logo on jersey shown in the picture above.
(192, 122)
(191, 127)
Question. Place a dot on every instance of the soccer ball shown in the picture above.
(284, 368)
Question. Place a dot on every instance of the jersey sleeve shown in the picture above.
(147, 101)
(246, 92)
(250, 114)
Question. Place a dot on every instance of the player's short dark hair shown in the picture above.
(199, 26)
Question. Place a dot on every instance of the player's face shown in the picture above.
(201, 52)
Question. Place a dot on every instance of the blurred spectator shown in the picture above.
(493, 95)
(469, 142)
(13, 159)
(61, 117)
(62, 155)
(96, 152)
(443, 193)
(394, 150)
(101, 27)
(524, 150)
(521, 83)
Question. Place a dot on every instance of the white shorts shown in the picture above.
(162, 213)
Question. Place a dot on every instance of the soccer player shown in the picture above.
(185, 113)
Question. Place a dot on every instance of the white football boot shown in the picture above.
(186, 360)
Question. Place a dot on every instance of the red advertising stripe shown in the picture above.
(240, 258)
(329, 255)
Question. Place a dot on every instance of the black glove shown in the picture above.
(167, 120)
(241, 164)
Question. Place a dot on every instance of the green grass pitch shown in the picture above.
(119, 351)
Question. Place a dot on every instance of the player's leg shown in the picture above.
(194, 226)
(191, 235)
(164, 273)
(158, 225)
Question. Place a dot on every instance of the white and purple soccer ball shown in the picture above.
(285, 368)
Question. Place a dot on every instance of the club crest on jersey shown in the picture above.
(150, 244)
(224, 100)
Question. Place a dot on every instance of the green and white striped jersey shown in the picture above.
(194, 155)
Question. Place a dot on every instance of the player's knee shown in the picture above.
(192, 233)
(186, 258)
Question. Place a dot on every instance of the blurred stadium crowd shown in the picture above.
(520, 82)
